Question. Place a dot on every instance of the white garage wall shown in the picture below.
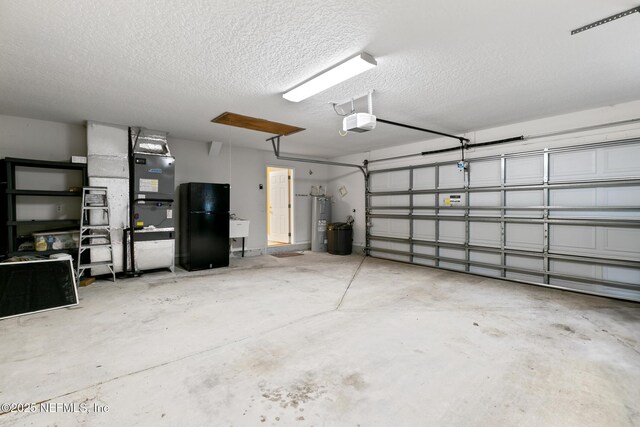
(244, 169)
(352, 179)
(39, 139)
(355, 184)
(248, 169)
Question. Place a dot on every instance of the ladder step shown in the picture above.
(96, 245)
(95, 199)
(96, 264)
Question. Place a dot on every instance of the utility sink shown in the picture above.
(238, 228)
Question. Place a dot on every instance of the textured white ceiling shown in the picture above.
(453, 65)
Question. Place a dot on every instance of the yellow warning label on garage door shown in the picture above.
(453, 199)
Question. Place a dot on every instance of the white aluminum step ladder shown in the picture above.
(95, 229)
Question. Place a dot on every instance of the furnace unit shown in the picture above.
(153, 200)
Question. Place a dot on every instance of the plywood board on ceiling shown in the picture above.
(254, 123)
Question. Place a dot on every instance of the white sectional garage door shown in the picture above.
(567, 218)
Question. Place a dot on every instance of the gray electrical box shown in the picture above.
(155, 175)
(154, 190)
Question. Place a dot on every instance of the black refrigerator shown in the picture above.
(204, 225)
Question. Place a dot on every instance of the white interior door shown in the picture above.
(279, 206)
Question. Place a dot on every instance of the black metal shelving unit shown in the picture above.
(10, 232)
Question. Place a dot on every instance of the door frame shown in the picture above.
(292, 173)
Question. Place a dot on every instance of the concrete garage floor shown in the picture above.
(261, 343)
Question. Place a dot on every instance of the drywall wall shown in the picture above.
(245, 170)
(352, 179)
(39, 139)
(43, 140)
(343, 206)
(248, 170)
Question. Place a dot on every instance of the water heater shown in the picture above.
(320, 217)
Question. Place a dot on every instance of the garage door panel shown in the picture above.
(450, 177)
(425, 262)
(573, 197)
(485, 257)
(488, 199)
(485, 271)
(572, 239)
(595, 241)
(524, 170)
(572, 165)
(524, 236)
(485, 234)
(424, 178)
(424, 229)
(525, 277)
(450, 201)
(393, 257)
(392, 246)
(602, 196)
(389, 181)
(399, 227)
(424, 200)
(452, 253)
(621, 274)
(623, 241)
(390, 227)
(619, 162)
(595, 288)
(425, 250)
(619, 196)
(485, 174)
(452, 231)
(578, 190)
(593, 198)
(400, 200)
(452, 266)
(594, 214)
(524, 199)
(575, 268)
(528, 263)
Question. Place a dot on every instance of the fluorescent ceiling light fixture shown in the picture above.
(341, 72)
